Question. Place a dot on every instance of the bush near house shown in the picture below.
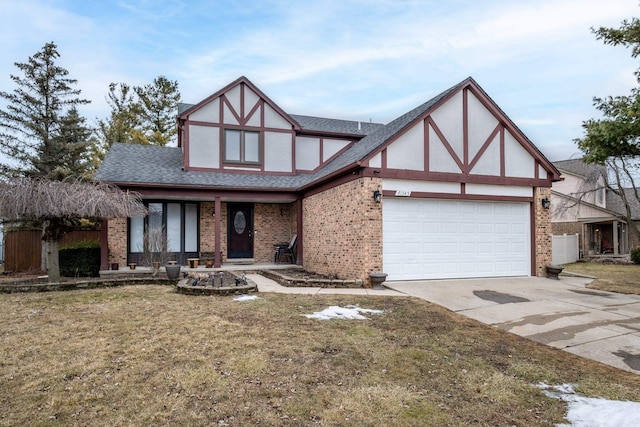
(635, 255)
(80, 260)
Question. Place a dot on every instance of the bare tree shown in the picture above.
(155, 250)
(61, 204)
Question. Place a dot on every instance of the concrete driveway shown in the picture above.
(563, 313)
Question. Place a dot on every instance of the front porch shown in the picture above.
(605, 237)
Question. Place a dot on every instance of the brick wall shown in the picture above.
(117, 237)
(272, 224)
(543, 231)
(343, 230)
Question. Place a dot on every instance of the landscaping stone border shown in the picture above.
(287, 281)
(31, 285)
(184, 286)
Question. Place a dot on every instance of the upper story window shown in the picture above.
(241, 146)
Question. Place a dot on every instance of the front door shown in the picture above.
(240, 232)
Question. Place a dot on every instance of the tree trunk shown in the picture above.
(53, 262)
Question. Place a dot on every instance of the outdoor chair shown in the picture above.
(286, 250)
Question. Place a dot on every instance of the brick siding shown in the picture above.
(543, 231)
(117, 237)
(343, 230)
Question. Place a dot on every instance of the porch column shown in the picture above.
(299, 248)
(216, 245)
(615, 238)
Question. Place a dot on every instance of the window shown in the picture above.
(241, 146)
(179, 220)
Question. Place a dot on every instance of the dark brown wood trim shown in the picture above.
(223, 99)
(253, 111)
(217, 238)
(455, 177)
(465, 128)
(425, 126)
(503, 168)
(532, 221)
(484, 148)
(186, 149)
(300, 231)
(243, 119)
(450, 196)
(383, 159)
(463, 188)
(448, 146)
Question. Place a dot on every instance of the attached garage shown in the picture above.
(444, 239)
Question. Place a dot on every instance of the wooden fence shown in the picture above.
(23, 248)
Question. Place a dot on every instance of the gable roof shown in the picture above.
(580, 168)
(141, 164)
(616, 204)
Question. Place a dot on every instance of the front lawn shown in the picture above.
(624, 279)
(145, 355)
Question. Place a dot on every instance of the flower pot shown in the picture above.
(132, 266)
(377, 278)
(173, 271)
(553, 271)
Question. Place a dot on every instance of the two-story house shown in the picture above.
(582, 205)
(450, 189)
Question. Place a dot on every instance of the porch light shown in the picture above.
(377, 196)
(546, 203)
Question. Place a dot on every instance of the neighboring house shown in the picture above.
(581, 204)
(461, 189)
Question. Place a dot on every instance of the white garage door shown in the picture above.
(446, 239)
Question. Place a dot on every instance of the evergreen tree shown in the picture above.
(159, 105)
(40, 114)
(141, 114)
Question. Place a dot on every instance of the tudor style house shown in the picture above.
(451, 189)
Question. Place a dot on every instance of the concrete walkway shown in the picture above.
(598, 325)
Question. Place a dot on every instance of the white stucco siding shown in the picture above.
(250, 99)
(376, 161)
(498, 190)
(518, 162)
(233, 96)
(448, 118)
(440, 159)
(331, 146)
(307, 153)
(407, 152)
(204, 146)
(274, 120)
(278, 155)
(489, 161)
(229, 118)
(481, 123)
(542, 173)
(207, 113)
(420, 186)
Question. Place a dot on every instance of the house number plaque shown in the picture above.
(403, 193)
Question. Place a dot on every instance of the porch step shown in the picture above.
(240, 261)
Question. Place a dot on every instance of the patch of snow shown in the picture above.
(352, 312)
(594, 412)
(246, 298)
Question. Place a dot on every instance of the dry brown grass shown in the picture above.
(145, 355)
(624, 279)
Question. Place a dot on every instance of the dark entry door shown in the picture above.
(240, 232)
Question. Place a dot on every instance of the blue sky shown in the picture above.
(351, 59)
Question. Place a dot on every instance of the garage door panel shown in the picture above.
(428, 238)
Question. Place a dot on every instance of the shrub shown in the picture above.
(635, 255)
(80, 260)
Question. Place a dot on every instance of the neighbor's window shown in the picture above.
(241, 146)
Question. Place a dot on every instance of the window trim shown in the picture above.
(242, 160)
